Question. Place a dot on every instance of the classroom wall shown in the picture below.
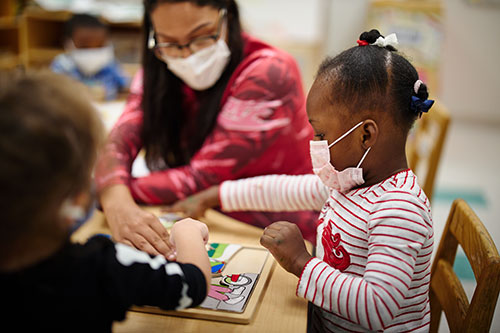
(470, 70)
(345, 22)
(295, 26)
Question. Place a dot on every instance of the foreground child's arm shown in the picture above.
(133, 277)
(189, 238)
(271, 193)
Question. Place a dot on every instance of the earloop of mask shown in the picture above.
(345, 134)
(363, 158)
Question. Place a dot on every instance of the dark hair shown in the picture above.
(162, 101)
(372, 77)
(82, 21)
(49, 134)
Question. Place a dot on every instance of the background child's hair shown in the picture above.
(82, 21)
(49, 134)
(373, 78)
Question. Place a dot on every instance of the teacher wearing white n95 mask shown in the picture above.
(211, 103)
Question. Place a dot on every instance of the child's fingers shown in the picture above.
(204, 232)
(279, 225)
(172, 256)
(271, 232)
(267, 241)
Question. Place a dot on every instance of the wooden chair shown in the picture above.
(425, 144)
(464, 228)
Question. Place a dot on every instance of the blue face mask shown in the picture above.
(78, 214)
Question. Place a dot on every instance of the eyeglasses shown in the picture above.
(175, 50)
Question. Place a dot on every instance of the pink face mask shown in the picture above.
(343, 180)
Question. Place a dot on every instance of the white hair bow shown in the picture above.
(391, 40)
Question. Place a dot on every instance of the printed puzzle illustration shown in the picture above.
(230, 292)
(219, 254)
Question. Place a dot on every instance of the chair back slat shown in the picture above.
(473, 237)
(451, 294)
(446, 293)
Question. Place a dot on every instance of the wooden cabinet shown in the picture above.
(9, 35)
(35, 37)
(41, 36)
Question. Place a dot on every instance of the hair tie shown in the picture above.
(416, 86)
(390, 40)
(362, 43)
(418, 105)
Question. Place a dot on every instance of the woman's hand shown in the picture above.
(196, 205)
(132, 225)
(284, 241)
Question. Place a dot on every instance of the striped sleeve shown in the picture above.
(273, 193)
(399, 227)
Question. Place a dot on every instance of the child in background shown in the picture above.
(374, 236)
(48, 139)
(90, 59)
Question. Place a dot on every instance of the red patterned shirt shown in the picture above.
(374, 246)
(261, 129)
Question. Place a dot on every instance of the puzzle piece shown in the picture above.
(221, 251)
(168, 219)
(231, 292)
(217, 266)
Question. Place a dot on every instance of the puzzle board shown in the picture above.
(249, 260)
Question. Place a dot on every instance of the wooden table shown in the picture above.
(280, 309)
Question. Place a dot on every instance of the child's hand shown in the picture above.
(188, 236)
(196, 205)
(185, 228)
(284, 241)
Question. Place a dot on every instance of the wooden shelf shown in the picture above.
(9, 42)
(37, 36)
(43, 56)
(9, 22)
(42, 37)
(433, 6)
(7, 8)
(9, 61)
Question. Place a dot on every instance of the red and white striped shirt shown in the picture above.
(374, 247)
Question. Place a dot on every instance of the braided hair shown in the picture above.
(372, 77)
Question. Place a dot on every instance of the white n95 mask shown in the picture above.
(91, 61)
(342, 181)
(201, 69)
